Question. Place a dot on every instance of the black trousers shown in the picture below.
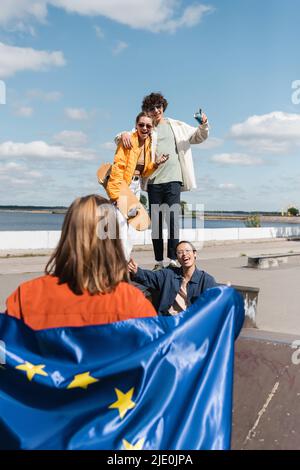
(164, 203)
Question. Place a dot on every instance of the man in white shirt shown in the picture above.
(174, 138)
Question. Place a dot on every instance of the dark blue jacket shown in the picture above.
(166, 284)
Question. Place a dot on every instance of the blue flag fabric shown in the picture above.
(154, 383)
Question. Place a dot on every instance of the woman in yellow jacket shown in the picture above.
(132, 164)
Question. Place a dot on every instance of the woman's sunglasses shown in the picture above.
(141, 125)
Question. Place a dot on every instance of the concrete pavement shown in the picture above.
(267, 369)
(266, 412)
(279, 296)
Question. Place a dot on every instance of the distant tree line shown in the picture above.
(31, 208)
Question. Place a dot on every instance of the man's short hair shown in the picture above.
(185, 241)
(153, 99)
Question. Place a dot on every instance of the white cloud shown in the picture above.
(99, 32)
(24, 111)
(11, 166)
(14, 172)
(210, 143)
(8, 168)
(276, 132)
(14, 10)
(155, 16)
(241, 159)
(71, 138)
(43, 151)
(119, 47)
(21, 28)
(34, 174)
(15, 59)
(228, 186)
(44, 95)
(194, 13)
(109, 146)
(77, 114)
(207, 185)
(191, 16)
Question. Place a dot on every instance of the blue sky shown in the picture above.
(76, 71)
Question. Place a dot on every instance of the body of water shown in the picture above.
(19, 221)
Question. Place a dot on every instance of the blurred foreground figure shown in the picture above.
(144, 383)
(86, 280)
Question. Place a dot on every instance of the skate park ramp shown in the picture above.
(266, 406)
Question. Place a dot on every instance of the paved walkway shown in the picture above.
(267, 380)
(279, 296)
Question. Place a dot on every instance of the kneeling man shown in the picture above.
(177, 288)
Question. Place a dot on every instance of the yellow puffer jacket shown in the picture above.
(125, 163)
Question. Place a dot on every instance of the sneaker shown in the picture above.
(173, 264)
(158, 267)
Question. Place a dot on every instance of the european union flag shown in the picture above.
(155, 383)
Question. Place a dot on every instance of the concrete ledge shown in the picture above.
(268, 336)
(15, 252)
(250, 296)
(269, 261)
(49, 239)
(31, 240)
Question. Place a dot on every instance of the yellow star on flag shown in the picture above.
(124, 402)
(32, 370)
(137, 446)
(82, 381)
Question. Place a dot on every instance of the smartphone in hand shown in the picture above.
(162, 159)
(198, 116)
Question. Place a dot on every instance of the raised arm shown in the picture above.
(200, 134)
(191, 134)
(150, 279)
(124, 138)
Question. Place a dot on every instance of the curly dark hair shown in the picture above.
(153, 99)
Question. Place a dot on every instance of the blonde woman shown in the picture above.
(85, 281)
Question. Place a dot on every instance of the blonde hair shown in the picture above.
(84, 260)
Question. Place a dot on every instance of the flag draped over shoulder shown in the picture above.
(155, 383)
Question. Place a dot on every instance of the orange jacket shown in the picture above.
(125, 163)
(44, 303)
